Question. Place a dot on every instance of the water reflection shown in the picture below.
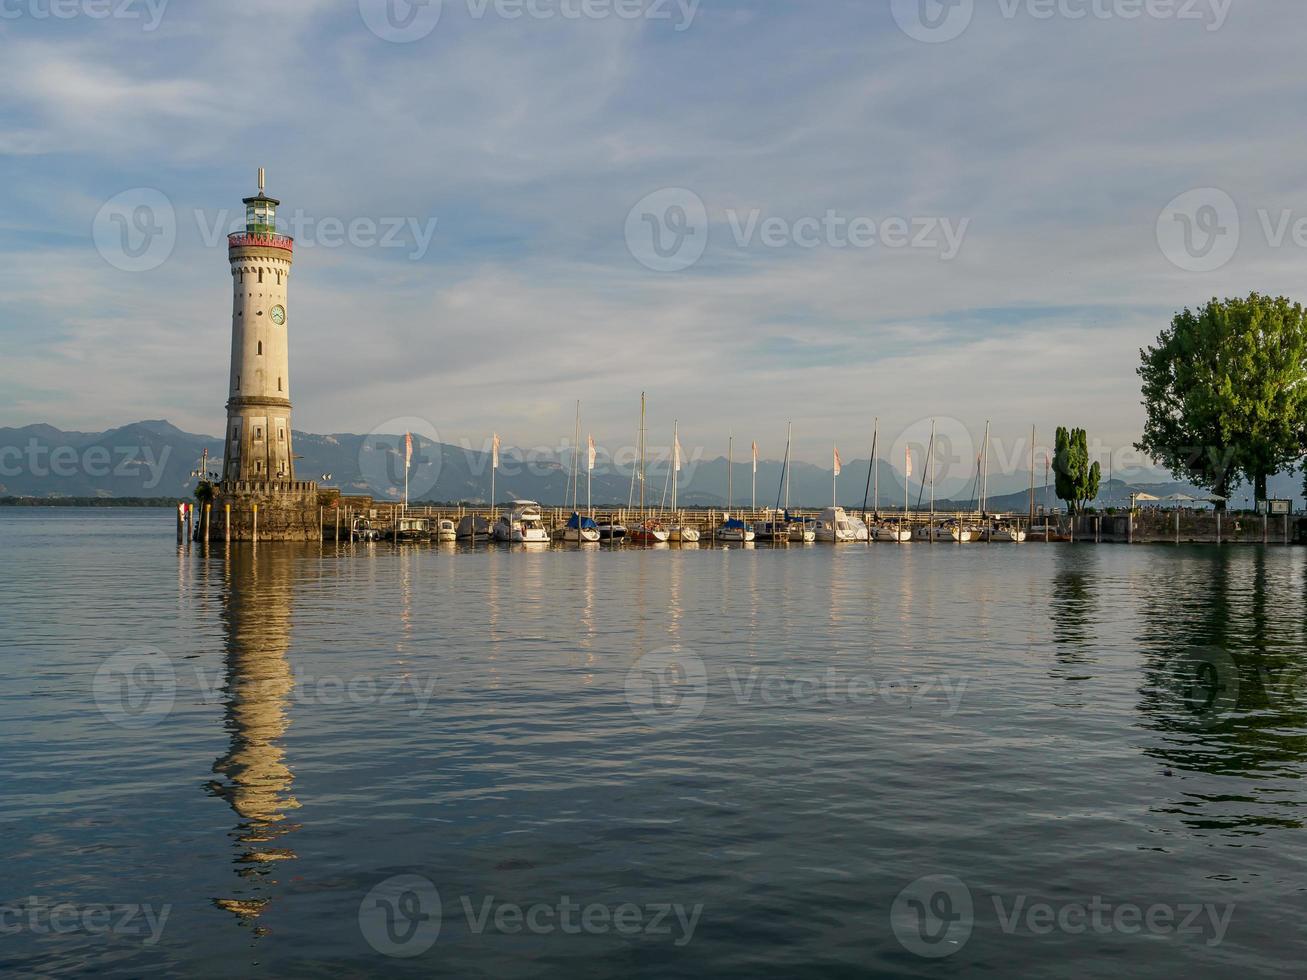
(1224, 688)
(1075, 604)
(253, 776)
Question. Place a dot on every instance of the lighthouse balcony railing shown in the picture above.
(254, 239)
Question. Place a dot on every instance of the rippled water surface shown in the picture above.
(294, 760)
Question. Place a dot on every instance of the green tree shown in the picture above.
(1077, 480)
(1224, 394)
(204, 492)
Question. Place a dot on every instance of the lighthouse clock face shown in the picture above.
(279, 315)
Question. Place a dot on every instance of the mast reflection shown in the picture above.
(253, 776)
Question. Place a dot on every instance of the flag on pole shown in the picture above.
(494, 452)
(676, 454)
(838, 463)
(590, 456)
(755, 457)
(408, 449)
(908, 451)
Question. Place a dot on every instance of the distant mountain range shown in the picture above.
(157, 459)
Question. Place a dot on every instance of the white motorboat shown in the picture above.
(446, 530)
(835, 526)
(522, 525)
(363, 530)
(413, 529)
(683, 533)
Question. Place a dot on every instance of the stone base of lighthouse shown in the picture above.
(272, 511)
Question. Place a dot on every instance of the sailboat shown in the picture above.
(579, 529)
(732, 528)
(679, 531)
(649, 530)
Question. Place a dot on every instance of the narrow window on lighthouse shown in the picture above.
(260, 347)
(260, 275)
(279, 384)
(238, 382)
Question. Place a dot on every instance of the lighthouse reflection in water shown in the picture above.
(253, 775)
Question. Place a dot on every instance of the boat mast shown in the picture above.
(642, 472)
(932, 478)
(576, 455)
(790, 437)
(984, 472)
(730, 473)
(676, 460)
(1032, 474)
(875, 499)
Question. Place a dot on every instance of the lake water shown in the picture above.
(1053, 760)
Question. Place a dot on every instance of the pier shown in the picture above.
(337, 517)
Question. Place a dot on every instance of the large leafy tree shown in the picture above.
(1225, 395)
(1077, 480)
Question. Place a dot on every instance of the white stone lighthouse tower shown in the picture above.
(258, 441)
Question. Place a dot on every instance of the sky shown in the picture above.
(757, 212)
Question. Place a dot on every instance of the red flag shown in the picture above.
(755, 457)
(494, 452)
(838, 464)
(908, 451)
(408, 449)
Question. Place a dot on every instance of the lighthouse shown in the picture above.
(258, 440)
(259, 498)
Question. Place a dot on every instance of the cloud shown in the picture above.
(1059, 142)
